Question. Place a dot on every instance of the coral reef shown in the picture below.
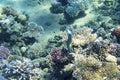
(34, 30)
(35, 51)
(89, 68)
(80, 53)
(55, 42)
(81, 36)
(43, 62)
(72, 9)
(16, 31)
(22, 69)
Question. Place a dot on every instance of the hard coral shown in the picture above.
(81, 36)
(4, 52)
(114, 49)
(23, 70)
(9, 11)
(20, 69)
(34, 51)
(90, 68)
(33, 30)
(74, 7)
(85, 66)
(61, 56)
(116, 32)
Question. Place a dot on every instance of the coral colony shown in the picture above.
(56, 54)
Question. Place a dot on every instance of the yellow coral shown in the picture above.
(68, 67)
(91, 75)
(90, 68)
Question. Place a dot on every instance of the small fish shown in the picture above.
(69, 40)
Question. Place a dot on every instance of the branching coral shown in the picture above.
(81, 36)
(61, 56)
(34, 30)
(16, 31)
(22, 69)
(74, 7)
(18, 69)
(34, 51)
(89, 68)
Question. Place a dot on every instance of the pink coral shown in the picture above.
(56, 54)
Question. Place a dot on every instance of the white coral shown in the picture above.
(81, 36)
(84, 36)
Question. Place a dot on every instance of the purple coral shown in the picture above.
(114, 49)
(56, 54)
(4, 52)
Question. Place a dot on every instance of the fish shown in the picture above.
(69, 40)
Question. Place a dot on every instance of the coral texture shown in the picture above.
(4, 52)
(116, 32)
(74, 7)
(81, 36)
